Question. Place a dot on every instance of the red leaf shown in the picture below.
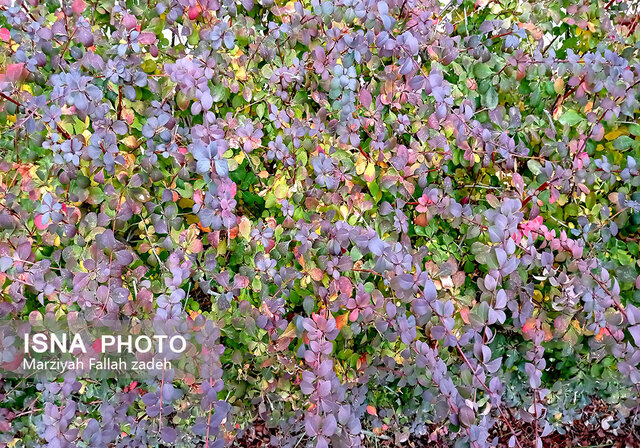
(372, 410)
(15, 364)
(5, 36)
(78, 6)
(194, 12)
(39, 224)
(15, 72)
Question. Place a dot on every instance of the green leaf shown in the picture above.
(490, 99)
(260, 109)
(635, 129)
(78, 126)
(534, 166)
(624, 142)
(149, 66)
(374, 189)
(220, 93)
(238, 101)
(571, 210)
(482, 70)
(570, 118)
(301, 97)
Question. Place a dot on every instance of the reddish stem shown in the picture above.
(119, 102)
(538, 190)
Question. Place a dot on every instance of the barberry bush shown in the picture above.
(391, 219)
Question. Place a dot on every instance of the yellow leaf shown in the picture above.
(290, 332)
(588, 107)
(537, 296)
(131, 142)
(185, 202)
(370, 172)
(281, 190)
(129, 160)
(67, 127)
(241, 74)
(558, 85)
(222, 247)
(192, 219)
(361, 164)
(245, 227)
(239, 158)
(612, 135)
(562, 200)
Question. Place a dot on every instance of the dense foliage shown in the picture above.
(397, 217)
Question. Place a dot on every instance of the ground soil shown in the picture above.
(582, 434)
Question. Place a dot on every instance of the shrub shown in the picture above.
(395, 217)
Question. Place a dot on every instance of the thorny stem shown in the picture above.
(482, 383)
(209, 418)
(119, 113)
(17, 103)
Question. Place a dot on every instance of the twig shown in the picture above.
(372, 434)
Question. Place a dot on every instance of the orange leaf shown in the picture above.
(464, 314)
(204, 229)
(422, 220)
(372, 410)
(341, 320)
(601, 333)
(547, 332)
(530, 325)
(316, 274)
